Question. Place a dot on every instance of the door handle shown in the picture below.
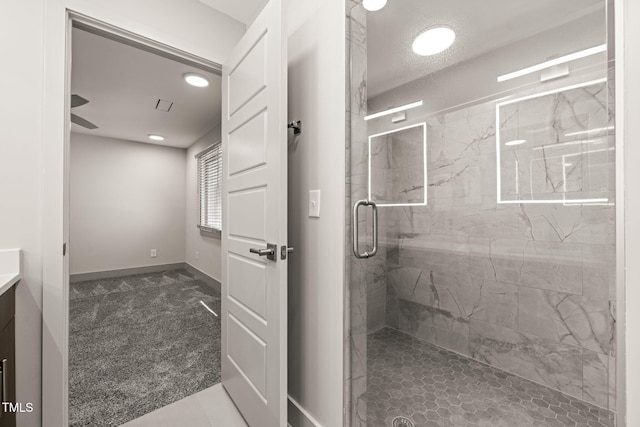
(269, 252)
(354, 225)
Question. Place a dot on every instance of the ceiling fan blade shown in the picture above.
(82, 122)
(77, 100)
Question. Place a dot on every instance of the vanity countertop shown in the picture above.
(10, 268)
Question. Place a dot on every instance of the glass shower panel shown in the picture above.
(491, 300)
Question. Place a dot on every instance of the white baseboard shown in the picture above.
(297, 416)
(108, 274)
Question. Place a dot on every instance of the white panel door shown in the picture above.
(254, 288)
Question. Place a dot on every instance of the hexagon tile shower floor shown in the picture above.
(434, 387)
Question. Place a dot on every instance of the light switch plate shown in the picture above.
(314, 203)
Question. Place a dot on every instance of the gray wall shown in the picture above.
(202, 252)
(126, 198)
(316, 162)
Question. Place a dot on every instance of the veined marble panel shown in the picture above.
(357, 17)
(433, 325)
(460, 178)
(497, 222)
(356, 181)
(595, 374)
(569, 319)
(358, 82)
(376, 290)
(497, 304)
(406, 222)
(463, 133)
(590, 224)
(612, 383)
(544, 361)
(553, 266)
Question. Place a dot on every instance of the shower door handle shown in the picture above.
(354, 226)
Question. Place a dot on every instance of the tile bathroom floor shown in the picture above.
(435, 387)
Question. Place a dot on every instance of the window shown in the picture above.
(210, 190)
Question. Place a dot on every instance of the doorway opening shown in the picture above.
(144, 292)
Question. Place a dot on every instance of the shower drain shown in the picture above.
(401, 422)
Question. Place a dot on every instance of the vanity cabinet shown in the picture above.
(7, 356)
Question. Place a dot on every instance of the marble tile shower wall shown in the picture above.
(357, 273)
(527, 288)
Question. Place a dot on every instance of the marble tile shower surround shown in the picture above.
(355, 334)
(527, 288)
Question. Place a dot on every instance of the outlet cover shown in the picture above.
(154, 253)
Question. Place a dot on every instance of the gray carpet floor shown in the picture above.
(138, 343)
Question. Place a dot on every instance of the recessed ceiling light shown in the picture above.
(515, 142)
(373, 5)
(433, 41)
(156, 137)
(196, 80)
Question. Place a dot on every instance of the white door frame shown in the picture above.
(55, 303)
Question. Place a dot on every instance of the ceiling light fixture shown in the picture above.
(561, 60)
(434, 40)
(373, 5)
(156, 137)
(196, 80)
(393, 110)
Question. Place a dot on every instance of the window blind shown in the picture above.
(210, 187)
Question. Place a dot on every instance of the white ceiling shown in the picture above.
(123, 85)
(244, 11)
(480, 25)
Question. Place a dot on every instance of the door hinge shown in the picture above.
(296, 126)
(64, 249)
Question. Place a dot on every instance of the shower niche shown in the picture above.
(556, 147)
(398, 166)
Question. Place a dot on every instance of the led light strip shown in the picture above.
(583, 132)
(552, 62)
(394, 110)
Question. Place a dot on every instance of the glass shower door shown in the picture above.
(491, 299)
